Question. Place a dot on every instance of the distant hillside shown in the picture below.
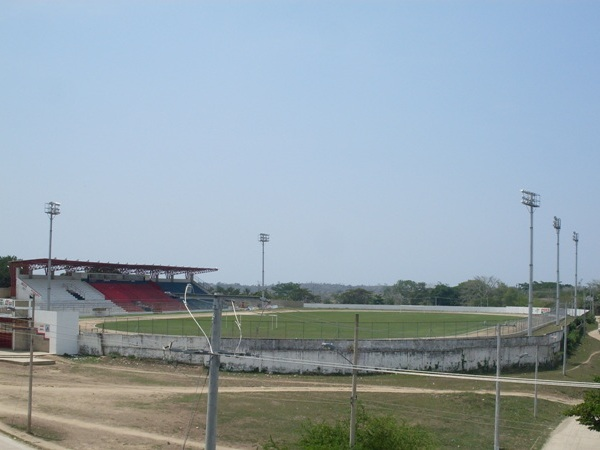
(323, 290)
(326, 289)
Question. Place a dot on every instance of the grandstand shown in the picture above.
(70, 294)
(107, 288)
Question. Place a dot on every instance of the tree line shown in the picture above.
(479, 291)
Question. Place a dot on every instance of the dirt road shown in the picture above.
(82, 406)
(112, 404)
(570, 434)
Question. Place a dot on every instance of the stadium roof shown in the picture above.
(28, 265)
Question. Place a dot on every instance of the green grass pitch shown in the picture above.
(294, 324)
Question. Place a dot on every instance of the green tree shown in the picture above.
(405, 292)
(359, 296)
(4, 272)
(292, 291)
(227, 290)
(445, 295)
(480, 291)
(588, 412)
(511, 296)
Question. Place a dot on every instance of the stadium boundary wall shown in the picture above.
(309, 356)
(522, 310)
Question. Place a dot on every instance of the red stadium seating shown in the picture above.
(138, 296)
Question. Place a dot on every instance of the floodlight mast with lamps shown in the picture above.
(262, 238)
(532, 201)
(52, 209)
(576, 240)
(556, 224)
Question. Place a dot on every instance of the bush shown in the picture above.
(372, 433)
(588, 412)
(575, 333)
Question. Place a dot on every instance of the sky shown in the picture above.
(374, 141)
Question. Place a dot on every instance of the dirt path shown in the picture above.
(112, 405)
(89, 406)
(570, 433)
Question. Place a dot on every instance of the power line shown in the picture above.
(374, 369)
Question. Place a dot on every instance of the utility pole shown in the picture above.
(213, 380)
(31, 336)
(497, 408)
(353, 398)
(576, 240)
(565, 333)
(535, 394)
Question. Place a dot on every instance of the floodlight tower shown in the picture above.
(557, 228)
(262, 238)
(532, 201)
(52, 209)
(576, 240)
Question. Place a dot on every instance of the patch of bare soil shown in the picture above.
(115, 403)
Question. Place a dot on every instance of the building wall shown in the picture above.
(60, 329)
(309, 356)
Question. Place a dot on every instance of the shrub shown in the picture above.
(372, 433)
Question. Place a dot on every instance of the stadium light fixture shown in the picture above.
(576, 240)
(556, 225)
(532, 201)
(52, 209)
(262, 238)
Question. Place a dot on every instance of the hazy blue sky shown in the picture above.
(374, 140)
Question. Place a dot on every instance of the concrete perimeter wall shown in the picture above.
(309, 356)
(524, 310)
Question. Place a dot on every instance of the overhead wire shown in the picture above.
(239, 325)
(196, 407)
(386, 370)
(193, 318)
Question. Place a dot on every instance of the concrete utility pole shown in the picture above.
(565, 333)
(535, 393)
(353, 398)
(576, 240)
(497, 408)
(31, 336)
(353, 395)
(213, 380)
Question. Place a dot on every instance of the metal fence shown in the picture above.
(270, 326)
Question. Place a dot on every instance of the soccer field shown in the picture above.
(294, 324)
